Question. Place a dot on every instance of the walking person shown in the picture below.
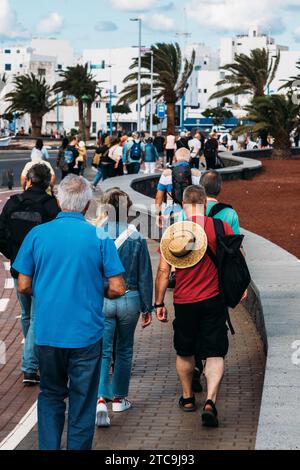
(170, 148)
(116, 155)
(200, 311)
(69, 294)
(182, 142)
(61, 163)
(39, 152)
(211, 151)
(122, 315)
(135, 152)
(104, 164)
(159, 144)
(151, 157)
(195, 149)
(20, 215)
(37, 158)
(81, 160)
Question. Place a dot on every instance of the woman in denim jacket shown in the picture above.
(122, 315)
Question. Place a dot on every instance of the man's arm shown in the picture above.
(25, 284)
(158, 204)
(116, 287)
(161, 286)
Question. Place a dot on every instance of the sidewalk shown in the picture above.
(155, 422)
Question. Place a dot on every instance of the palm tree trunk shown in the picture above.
(80, 116)
(36, 124)
(88, 121)
(170, 118)
(282, 148)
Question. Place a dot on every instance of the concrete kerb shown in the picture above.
(273, 304)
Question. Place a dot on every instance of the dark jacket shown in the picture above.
(10, 248)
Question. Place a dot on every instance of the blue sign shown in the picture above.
(161, 111)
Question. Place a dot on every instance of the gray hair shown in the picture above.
(74, 193)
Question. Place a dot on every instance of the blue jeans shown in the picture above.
(133, 168)
(72, 373)
(98, 177)
(121, 318)
(29, 359)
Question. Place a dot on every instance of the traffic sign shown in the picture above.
(161, 111)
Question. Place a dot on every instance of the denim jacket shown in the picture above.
(136, 260)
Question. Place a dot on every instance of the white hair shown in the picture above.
(74, 193)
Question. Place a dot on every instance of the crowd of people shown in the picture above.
(80, 307)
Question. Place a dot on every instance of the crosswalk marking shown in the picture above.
(3, 304)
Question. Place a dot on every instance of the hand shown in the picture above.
(160, 221)
(146, 320)
(162, 314)
(245, 296)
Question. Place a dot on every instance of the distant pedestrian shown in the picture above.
(170, 148)
(211, 151)
(135, 154)
(37, 158)
(19, 216)
(195, 149)
(122, 315)
(39, 152)
(159, 144)
(116, 155)
(69, 294)
(61, 162)
(182, 142)
(151, 157)
(81, 160)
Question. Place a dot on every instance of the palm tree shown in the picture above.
(31, 95)
(279, 115)
(171, 75)
(77, 81)
(251, 74)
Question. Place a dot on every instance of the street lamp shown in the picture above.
(85, 99)
(139, 71)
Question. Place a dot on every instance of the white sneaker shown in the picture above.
(102, 419)
(120, 405)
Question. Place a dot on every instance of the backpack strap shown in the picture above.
(217, 208)
(220, 231)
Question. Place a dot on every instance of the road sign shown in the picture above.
(161, 111)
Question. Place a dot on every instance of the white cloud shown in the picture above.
(238, 15)
(51, 24)
(159, 22)
(10, 28)
(106, 26)
(133, 5)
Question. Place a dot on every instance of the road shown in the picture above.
(17, 160)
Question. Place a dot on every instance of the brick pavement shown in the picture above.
(155, 422)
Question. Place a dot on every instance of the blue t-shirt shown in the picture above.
(227, 215)
(68, 262)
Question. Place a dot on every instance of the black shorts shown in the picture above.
(201, 330)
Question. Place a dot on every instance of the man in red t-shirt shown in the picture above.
(200, 327)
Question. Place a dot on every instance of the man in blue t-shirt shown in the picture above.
(69, 269)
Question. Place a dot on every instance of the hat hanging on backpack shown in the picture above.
(184, 244)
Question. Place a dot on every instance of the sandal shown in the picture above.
(188, 401)
(210, 418)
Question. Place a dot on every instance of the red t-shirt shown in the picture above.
(200, 282)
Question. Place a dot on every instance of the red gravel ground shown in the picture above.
(269, 204)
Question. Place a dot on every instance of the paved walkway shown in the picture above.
(155, 422)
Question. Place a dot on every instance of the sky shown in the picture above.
(106, 23)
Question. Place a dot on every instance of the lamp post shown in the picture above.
(139, 72)
(151, 102)
(85, 99)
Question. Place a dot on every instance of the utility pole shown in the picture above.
(139, 123)
(151, 102)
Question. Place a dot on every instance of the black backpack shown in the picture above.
(234, 276)
(181, 179)
(23, 217)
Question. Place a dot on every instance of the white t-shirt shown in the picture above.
(195, 146)
(116, 153)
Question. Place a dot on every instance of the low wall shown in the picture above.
(265, 153)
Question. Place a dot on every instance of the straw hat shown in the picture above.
(184, 244)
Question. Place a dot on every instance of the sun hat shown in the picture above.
(184, 244)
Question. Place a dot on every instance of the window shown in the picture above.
(205, 90)
(42, 72)
(199, 91)
(205, 62)
(21, 66)
(115, 89)
(98, 105)
(7, 67)
(103, 64)
(7, 51)
(18, 51)
(94, 127)
(59, 67)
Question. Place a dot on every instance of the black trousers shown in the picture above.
(170, 156)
